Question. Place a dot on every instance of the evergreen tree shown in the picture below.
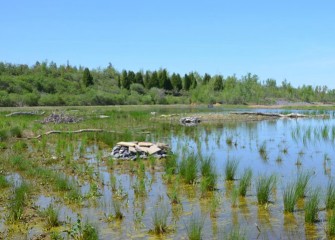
(139, 78)
(87, 78)
(218, 83)
(206, 79)
(125, 83)
(176, 82)
(187, 83)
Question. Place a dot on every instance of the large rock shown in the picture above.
(132, 150)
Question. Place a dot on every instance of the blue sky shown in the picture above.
(293, 40)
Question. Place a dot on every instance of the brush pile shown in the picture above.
(133, 150)
(60, 118)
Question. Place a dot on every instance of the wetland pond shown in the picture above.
(159, 198)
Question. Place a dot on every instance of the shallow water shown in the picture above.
(292, 145)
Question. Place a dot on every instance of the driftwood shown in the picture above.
(277, 115)
(78, 131)
(24, 113)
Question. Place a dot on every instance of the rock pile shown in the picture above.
(190, 121)
(60, 118)
(132, 150)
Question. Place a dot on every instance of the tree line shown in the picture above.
(47, 84)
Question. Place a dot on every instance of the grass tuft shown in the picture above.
(312, 207)
(264, 187)
(230, 169)
(245, 182)
(51, 214)
(160, 219)
(290, 197)
(188, 168)
(195, 227)
(302, 183)
(208, 173)
(330, 196)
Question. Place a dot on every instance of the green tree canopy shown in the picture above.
(87, 78)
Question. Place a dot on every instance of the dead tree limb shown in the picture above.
(24, 113)
(77, 131)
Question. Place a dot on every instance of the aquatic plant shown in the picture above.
(235, 233)
(330, 195)
(302, 182)
(171, 164)
(3, 182)
(117, 209)
(209, 176)
(234, 196)
(15, 132)
(214, 204)
(51, 214)
(188, 168)
(84, 231)
(331, 225)
(230, 169)
(229, 141)
(264, 187)
(263, 151)
(160, 219)
(312, 207)
(290, 197)
(194, 228)
(18, 201)
(174, 195)
(245, 182)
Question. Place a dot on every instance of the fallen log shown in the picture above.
(24, 113)
(78, 131)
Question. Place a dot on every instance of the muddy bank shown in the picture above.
(234, 116)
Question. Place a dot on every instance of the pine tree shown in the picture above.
(87, 78)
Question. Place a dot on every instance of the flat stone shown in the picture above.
(142, 149)
(127, 144)
(153, 149)
(132, 149)
(145, 144)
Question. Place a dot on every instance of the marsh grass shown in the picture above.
(290, 197)
(330, 195)
(117, 205)
(171, 164)
(52, 216)
(331, 225)
(209, 175)
(160, 219)
(230, 169)
(234, 196)
(174, 195)
(15, 132)
(194, 228)
(303, 179)
(3, 182)
(214, 204)
(235, 233)
(264, 186)
(263, 151)
(84, 231)
(18, 201)
(312, 207)
(245, 182)
(188, 168)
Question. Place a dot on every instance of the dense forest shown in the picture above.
(46, 84)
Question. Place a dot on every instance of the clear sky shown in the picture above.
(293, 40)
